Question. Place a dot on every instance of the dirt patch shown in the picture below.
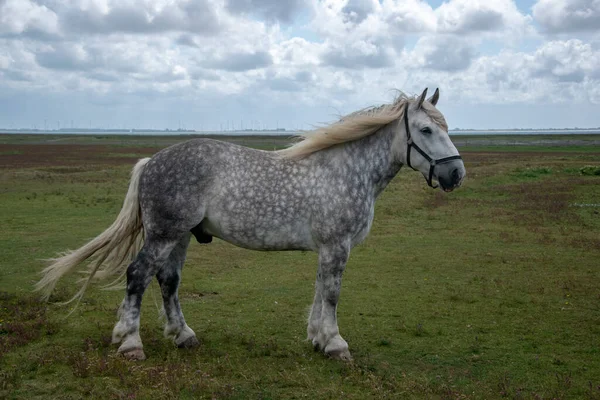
(52, 155)
(548, 201)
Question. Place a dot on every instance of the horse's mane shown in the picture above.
(355, 126)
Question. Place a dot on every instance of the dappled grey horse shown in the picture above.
(318, 194)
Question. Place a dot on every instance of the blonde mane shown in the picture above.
(356, 125)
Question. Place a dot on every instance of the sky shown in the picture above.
(230, 64)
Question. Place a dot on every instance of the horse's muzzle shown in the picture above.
(450, 175)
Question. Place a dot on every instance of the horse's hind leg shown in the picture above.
(169, 277)
(140, 272)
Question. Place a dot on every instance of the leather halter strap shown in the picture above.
(411, 144)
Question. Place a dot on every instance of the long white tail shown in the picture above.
(110, 252)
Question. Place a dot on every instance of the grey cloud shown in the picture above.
(304, 76)
(186, 40)
(354, 58)
(67, 58)
(193, 16)
(571, 77)
(242, 61)
(483, 20)
(447, 54)
(102, 77)
(203, 75)
(358, 10)
(71, 57)
(565, 16)
(22, 76)
(274, 10)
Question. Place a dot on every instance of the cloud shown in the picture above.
(27, 17)
(103, 77)
(125, 58)
(563, 16)
(555, 72)
(566, 61)
(271, 10)
(295, 82)
(186, 40)
(69, 58)
(95, 17)
(443, 53)
(240, 62)
(358, 10)
(477, 16)
(298, 52)
(317, 57)
(358, 55)
(411, 16)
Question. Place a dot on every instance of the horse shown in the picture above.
(318, 194)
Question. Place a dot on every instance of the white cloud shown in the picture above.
(27, 17)
(558, 16)
(297, 52)
(411, 16)
(556, 72)
(567, 61)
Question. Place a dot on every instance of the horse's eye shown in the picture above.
(426, 130)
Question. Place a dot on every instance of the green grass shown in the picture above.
(473, 147)
(487, 292)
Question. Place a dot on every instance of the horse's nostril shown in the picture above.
(455, 176)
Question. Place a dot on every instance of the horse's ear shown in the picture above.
(421, 99)
(434, 99)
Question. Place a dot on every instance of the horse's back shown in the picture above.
(251, 198)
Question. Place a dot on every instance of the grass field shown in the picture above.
(491, 291)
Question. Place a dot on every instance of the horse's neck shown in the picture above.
(370, 159)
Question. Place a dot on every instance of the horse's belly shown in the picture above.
(259, 234)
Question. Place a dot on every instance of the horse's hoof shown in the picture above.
(189, 343)
(134, 354)
(340, 355)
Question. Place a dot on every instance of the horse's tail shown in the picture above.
(109, 252)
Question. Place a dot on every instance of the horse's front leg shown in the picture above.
(169, 277)
(314, 319)
(332, 262)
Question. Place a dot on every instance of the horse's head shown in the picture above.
(426, 146)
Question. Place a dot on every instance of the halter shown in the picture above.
(432, 162)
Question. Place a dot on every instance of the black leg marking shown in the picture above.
(139, 275)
